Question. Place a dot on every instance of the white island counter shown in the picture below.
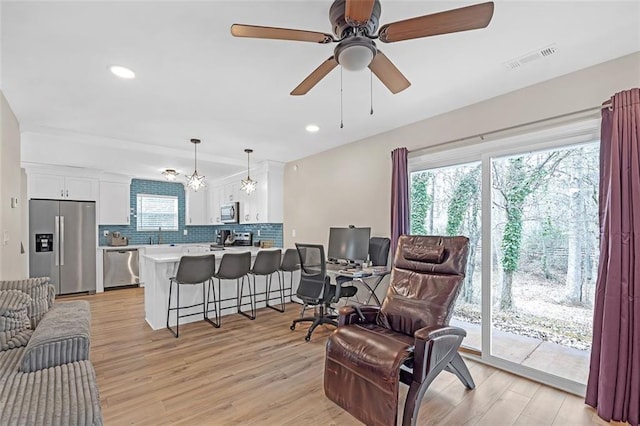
(157, 266)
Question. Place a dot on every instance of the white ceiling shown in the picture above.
(195, 80)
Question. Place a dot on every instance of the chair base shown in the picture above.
(317, 320)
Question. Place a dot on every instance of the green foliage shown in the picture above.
(465, 192)
(420, 202)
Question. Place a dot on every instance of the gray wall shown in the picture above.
(351, 184)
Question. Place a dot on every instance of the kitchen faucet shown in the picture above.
(160, 235)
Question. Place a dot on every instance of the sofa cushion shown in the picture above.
(61, 337)
(14, 321)
(42, 295)
(63, 395)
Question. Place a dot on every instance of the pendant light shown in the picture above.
(195, 181)
(248, 184)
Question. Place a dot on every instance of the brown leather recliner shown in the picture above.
(408, 339)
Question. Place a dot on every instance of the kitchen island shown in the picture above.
(157, 266)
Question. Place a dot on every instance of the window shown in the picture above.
(157, 211)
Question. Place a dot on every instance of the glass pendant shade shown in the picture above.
(248, 185)
(195, 181)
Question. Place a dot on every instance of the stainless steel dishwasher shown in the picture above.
(120, 267)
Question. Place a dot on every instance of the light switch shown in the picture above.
(5, 238)
(185, 232)
(293, 232)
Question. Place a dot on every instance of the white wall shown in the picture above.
(12, 217)
(351, 184)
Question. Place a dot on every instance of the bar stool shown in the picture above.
(192, 270)
(236, 266)
(290, 263)
(266, 264)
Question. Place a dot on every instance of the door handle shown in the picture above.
(67, 193)
(61, 194)
(61, 240)
(56, 240)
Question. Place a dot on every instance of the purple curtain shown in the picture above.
(614, 377)
(399, 197)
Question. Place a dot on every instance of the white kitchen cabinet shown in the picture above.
(264, 205)
(115, 203)
(196, 212)
(216, 195)
(231, 193)
(58, 187)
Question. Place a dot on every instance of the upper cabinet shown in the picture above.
(60, 187)
(115, 203)
(264, 205)
(216, 197)
(196, 212)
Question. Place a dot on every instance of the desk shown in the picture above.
(336, 270)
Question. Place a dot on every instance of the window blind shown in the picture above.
(157, 211)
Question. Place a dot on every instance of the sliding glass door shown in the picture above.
(531, 215)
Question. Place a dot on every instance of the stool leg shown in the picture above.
(206, 303)
(175, 334)
(241, 296)
(280, 290)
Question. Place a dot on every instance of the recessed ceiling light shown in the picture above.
(312, 128)
(122, 72)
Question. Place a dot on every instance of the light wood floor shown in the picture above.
(261, 373)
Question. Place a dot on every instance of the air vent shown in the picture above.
(531, 56)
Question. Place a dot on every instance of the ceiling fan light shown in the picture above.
(355, 58)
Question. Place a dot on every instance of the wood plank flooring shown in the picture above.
(261, 373)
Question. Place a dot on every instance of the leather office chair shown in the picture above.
(315, 288)
(192, 270)
(406, 340)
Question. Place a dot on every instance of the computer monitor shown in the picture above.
(351, 244)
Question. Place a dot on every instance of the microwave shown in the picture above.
(230, 213)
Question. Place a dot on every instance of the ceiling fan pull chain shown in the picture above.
(371, 91)
(341, 123)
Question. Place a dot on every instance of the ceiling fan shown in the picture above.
(355, 23)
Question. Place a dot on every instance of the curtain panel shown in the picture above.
(613, 387)
(399, 197)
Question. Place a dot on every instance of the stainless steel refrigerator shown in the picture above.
(62, 244)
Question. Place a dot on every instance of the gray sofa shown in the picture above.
(46, 377)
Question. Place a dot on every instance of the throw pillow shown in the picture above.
(15, 326)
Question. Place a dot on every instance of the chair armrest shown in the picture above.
(433, 346)
(430, 333)
(61, 337)
(350, 315)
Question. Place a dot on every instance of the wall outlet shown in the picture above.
(105, 233)
(258, 232)
(293, 232)
(185, 232)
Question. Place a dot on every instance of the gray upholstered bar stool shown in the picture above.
(192, 270)
(266, 264)
(236, 266)
(290, 263)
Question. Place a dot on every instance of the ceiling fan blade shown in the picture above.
(315, 77)
(450, 21)
(253, 31)
(390, 76)
(358, 12)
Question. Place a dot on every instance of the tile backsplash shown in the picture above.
(195, 234)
